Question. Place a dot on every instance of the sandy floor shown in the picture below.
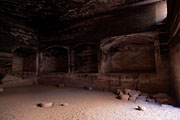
(18, 104)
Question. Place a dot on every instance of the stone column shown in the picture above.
(37, 67)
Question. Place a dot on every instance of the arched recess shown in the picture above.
(134, 53)
(24, 60)
(54, 59)
(85, 58)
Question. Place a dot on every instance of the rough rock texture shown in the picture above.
(174, 45)
(19, 79)
(151, 100)
(54, 59)
(134, 93)
(104, 81)
(124, 97)
(127, 91)
(45, 105)
(130, 53)
(119, 92)
(142, 98)
(132, 98)
(175, 67)
(84, 31)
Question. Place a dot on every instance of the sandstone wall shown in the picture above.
(139, 65)
(175, 67)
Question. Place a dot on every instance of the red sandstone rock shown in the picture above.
(126, 91)
(141, 108)
(134, 93)
(119, 92)
(132, 98)
(64, 104)
(151, 101)
(45, 104)
(124, 97)
(142, 98)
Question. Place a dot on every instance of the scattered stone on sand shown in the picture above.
(151, 100)
(124, 97)
(134, 93)
(121, 93)
(138, 97)
(64, 104)
(61, 85)
(117, 91)
(127, 91)
(141, 108)
(1, 89)
(142, 98)
(45, 104)
(132, 98)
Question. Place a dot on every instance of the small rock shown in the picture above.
(134, 93)
(151, 101)
(1, 89)
(45, 104)
(126, 91)
(64, 104)
(124, 97)
(121, 93)
(118, 91)
(141, 108)
(132, 98)
(142, 98)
